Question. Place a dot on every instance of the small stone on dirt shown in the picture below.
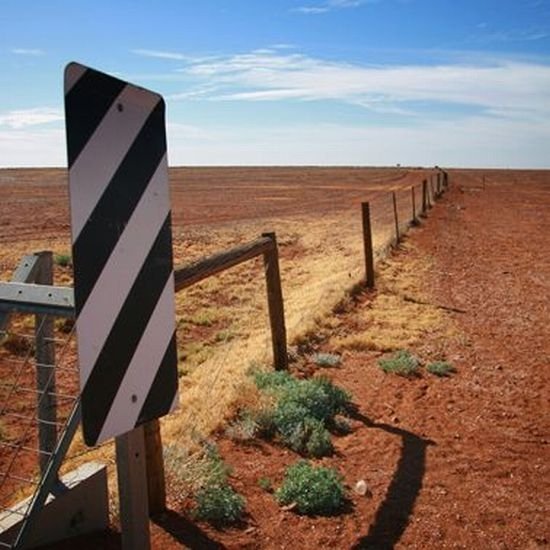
(361, 488)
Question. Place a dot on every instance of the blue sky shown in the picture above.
(328, 82)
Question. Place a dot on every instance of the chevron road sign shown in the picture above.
(122, 252)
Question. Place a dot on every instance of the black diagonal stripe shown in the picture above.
(117, 352)
(104, 227)
(162, 392)
(85, 106)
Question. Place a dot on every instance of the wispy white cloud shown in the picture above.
(30, 117)
(504, 85)
(331, 5)
(28, 51)
(161, 54)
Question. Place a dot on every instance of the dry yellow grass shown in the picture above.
(399, 315)
(223, 324)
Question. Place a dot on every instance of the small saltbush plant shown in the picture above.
(319, 396)
(63, 260)
(313, 490)
(219, 505)
(441, 368)
(403, 363)
(216, 501)
(270, 380)
(301, 411)
(326, 359)
(265, 484)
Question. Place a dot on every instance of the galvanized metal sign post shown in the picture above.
(122, 258)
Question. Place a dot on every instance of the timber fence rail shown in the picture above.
(40, 356)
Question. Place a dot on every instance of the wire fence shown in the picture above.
(38, 392)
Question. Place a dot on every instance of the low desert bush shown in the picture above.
(302, 411)
(205, 476)
(63, 260)
(313, 490)
(326, 359)
(402, 363)
(441, 368)
(219, 505)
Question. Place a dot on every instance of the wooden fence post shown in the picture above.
(394, 198)
(367, 243)
(424, 197)
(413, 197)
(275, 304)
(132, 490)
(45, 369)
(156, 483)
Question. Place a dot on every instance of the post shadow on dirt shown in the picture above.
(394, 513)
(185, 532)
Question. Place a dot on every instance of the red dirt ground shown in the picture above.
(461, 462)
(458, 462)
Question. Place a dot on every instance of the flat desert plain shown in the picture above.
(454, 462)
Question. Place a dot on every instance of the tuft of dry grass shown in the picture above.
(394, 319)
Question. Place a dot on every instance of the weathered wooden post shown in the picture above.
(275, 304)
(45, 369)
(132, 489)
(156, 482)
(394, 198)
(424, 197)
(413, 198)
(367, 244)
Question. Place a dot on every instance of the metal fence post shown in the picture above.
(275, 304)
(45, 369)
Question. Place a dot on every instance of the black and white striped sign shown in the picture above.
(122, 252)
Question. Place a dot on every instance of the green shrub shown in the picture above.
(326, 359)
(216, 470)
(243, 428)
(320, 398)
(269, 380)
(63, 260)
(440, 368)
(264, 419)
(306, 435)
(314, 490)
(265, 484)
(302, 411)
(219, 505)
(402, 363)
(318, 440)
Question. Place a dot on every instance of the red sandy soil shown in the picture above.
(458, 462)
(35, 201)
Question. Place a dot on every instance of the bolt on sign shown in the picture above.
(122, 252)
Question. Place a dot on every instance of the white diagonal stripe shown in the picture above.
(73, 72)
(175, 402)
(113, 285)
(141, 372)
(99, 160)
